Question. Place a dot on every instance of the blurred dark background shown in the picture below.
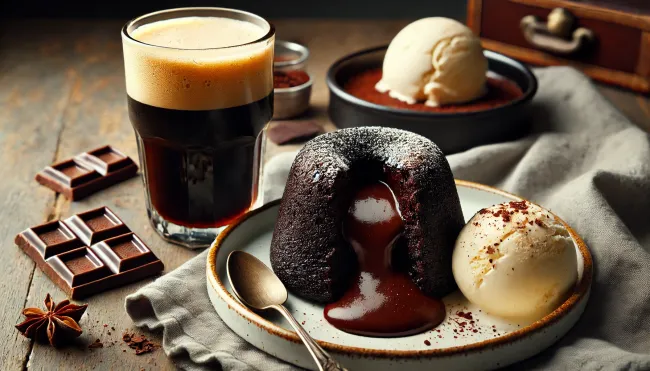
(265, 8)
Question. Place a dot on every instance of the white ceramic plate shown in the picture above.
(457, 344)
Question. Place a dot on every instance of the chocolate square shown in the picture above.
(78, 267)
(49, 239)
(123, 252)
(70, 173)
(104, 159)
(96, 225)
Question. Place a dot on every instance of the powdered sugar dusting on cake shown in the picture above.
(396, 148)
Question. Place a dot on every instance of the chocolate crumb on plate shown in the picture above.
(96, 344)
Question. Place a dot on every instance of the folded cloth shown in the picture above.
(586, 162)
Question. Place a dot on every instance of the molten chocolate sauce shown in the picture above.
(382, 301)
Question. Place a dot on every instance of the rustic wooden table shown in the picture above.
(62, 92)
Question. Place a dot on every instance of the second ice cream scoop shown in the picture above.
(436, 60)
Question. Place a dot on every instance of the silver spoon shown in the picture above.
(259, 288)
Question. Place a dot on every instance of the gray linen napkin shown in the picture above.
(586, 162)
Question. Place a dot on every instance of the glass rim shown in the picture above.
(126, 29)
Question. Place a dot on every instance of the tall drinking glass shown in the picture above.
(200, 94)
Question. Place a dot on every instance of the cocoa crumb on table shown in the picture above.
(140, 343)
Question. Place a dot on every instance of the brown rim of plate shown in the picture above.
(581, 289)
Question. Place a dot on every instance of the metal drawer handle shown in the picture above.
(557, 34)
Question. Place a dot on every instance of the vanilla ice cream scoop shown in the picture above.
(515, 260)
(436, 60)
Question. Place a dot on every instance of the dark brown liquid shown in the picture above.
(382, 301)
(201, 167)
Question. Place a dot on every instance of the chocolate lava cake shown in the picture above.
(309, 252)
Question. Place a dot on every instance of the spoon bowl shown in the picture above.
(253, 282)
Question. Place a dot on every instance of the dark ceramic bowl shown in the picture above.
(453, 132)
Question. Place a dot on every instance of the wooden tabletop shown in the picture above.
(62, 92)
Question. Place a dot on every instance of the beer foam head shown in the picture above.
(198, 63)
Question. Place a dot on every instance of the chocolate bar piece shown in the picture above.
(88, 253)
(296, 131)
(88, 172)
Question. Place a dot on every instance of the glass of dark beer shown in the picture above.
(200, 94)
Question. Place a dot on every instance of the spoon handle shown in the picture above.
(324, 361)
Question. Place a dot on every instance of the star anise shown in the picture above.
(57, 325)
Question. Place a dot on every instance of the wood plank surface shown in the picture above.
(62, 92)
(96, 115)
(33, 98)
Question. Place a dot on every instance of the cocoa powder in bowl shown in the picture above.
(289, 79)
(500, 91)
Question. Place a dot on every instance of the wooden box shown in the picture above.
(607, 40)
